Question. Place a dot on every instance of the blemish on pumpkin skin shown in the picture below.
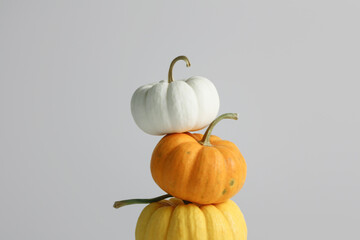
(188, 152)
(232, 181)
(224, 191)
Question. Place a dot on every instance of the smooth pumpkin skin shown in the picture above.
(188, 170)
(180, 106)
(173, 220)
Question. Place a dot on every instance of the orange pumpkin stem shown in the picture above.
(184, 58)
(206, 138)
(122, 203)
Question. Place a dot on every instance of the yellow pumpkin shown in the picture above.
(173, 220)
(199, 168)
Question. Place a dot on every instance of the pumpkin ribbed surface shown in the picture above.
(173, 220)
(188, 170)
(185, 105)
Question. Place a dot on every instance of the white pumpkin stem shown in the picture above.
(206, 138)
(184, 58)
(122, 203)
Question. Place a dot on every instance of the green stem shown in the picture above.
(122, 203)
(170, 77)
(206, 138)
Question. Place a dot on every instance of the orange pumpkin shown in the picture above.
(199, 168)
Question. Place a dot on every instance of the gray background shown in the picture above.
(69, 146)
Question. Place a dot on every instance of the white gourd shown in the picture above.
(175, 106)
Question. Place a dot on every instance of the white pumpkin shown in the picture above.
(175, 106)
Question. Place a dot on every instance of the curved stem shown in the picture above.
(206, 138)
(170, 77)
(122, 203)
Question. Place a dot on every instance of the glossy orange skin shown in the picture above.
(188, 170)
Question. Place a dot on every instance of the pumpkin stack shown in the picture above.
(200, 173)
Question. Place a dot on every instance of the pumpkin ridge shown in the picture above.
(211, 213)
(206, 220)
(238, 222)
(168, 143)
(187, 182)
(166, 117)
(233, 163)
(168, 106)
(206, 224)
(225, 143)
(147, 222)
(158, 163)
(227, 220)
(174, 221)
(198, 104)
(203, 165)
(145, 102)
(174, 161)
(182, 113)
(189, 162)
(165, 114)
(214, 139)
(193, 172)
(190, 184)
(207, 99)
(171, 215)
(149, 226)
(147, 107)
(224, 162)
(196, 222)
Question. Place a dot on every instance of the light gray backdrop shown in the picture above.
(69, 146)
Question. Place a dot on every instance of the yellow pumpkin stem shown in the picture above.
(206, 138)
(184, 58)
(122, 203)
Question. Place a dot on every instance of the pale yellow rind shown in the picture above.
(158, 223)
(217, 225)
(144, 218)
(235, 219)
(172, 220)
(187, 223)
